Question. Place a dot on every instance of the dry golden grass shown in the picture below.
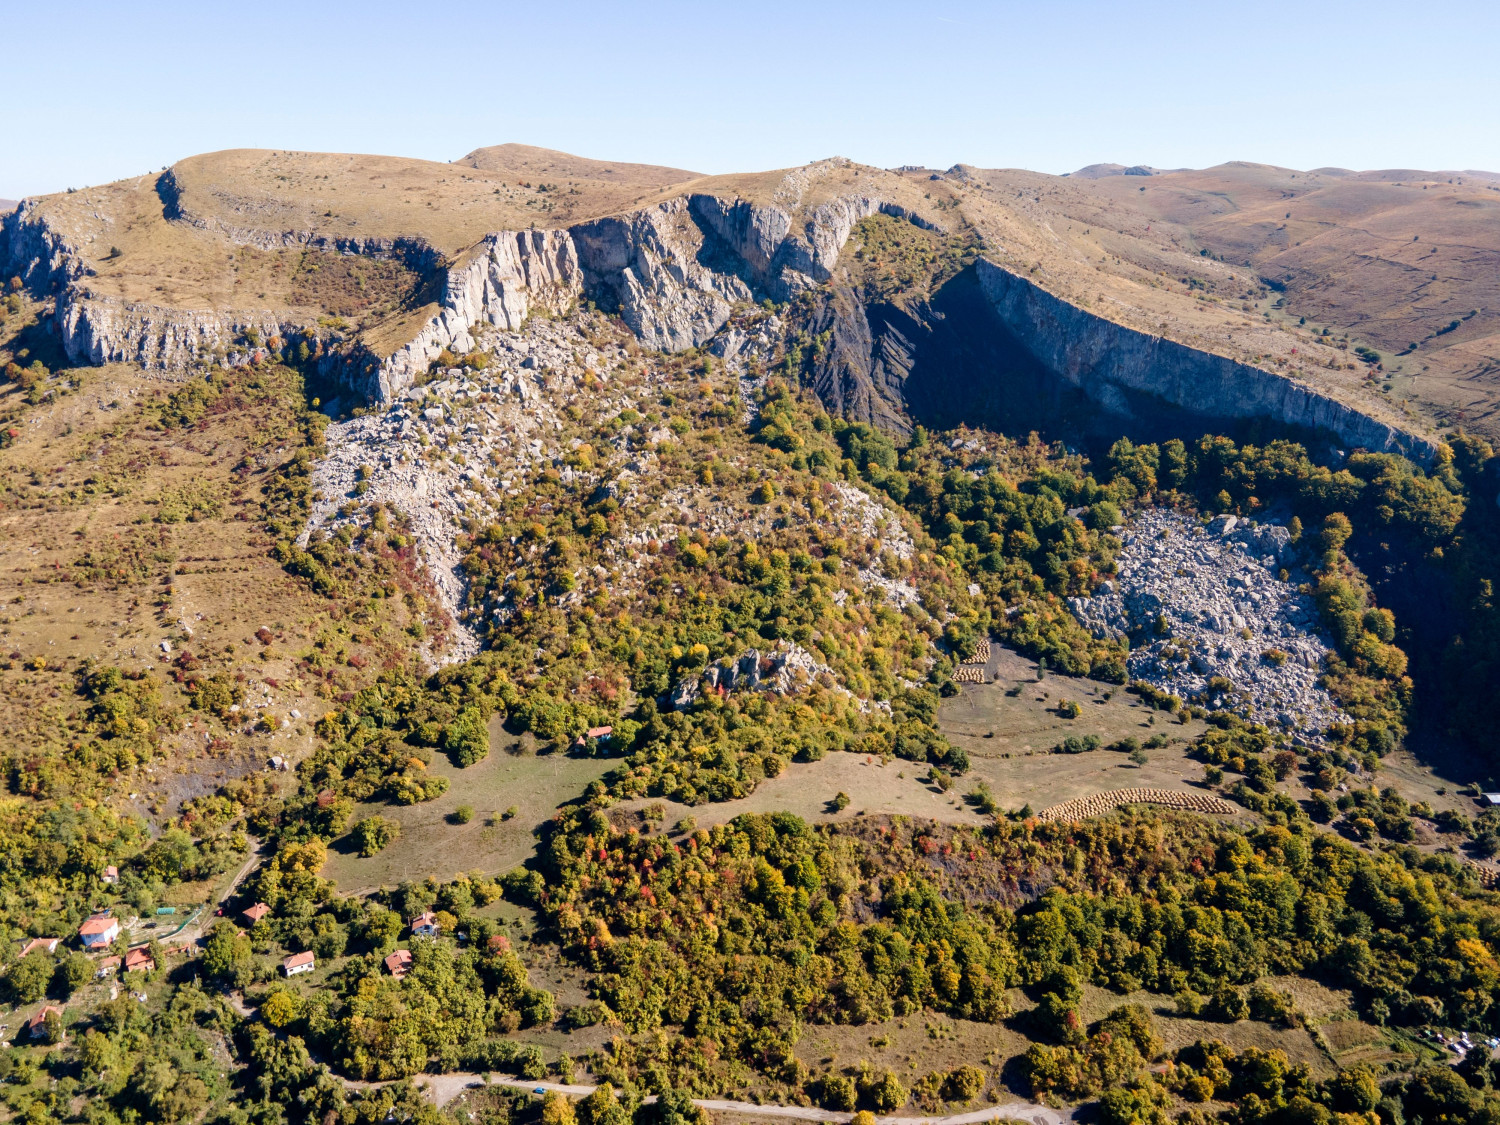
(1388, 258)
(116, 536)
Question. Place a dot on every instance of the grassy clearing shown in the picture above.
(431, 844)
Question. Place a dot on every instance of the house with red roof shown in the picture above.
(426, 925)
(299, 963)
(398, 964)
(255, 913)
(45, 944)
(140, 961)
(36, 1026)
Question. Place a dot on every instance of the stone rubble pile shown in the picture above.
(450, 448)
(1199, 603)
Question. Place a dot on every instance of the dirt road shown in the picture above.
(443, 1088)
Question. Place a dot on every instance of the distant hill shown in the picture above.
(8, 205)
(1103, 171)
(545, 162)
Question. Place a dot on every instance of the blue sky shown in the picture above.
(98, 91)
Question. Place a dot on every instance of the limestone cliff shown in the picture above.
(96, 330)
(1127, 373)
(672, 271)
(510, 273)
(989, 347)
(655, 268)
(104, 330)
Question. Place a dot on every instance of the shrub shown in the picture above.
(462, 815)
(1073, 744)
(883, 1090)
(963, 1084)
(1270, 1005)
(837, 1092)
(1189, 1003)
(1227, 1005)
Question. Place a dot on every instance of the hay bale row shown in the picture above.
(1488, 876)
(969, 673)
(1081, 808)
(981, 652)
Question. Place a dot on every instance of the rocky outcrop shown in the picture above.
(990, 348)
(653, 268)
(36, 253)
(1126, 373)
(785, 670)
(765, 250)
(674, 271)
(510, 274)
(103, 330)
(96, 330)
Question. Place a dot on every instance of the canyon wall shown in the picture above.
(1126, 373)
(990, 347)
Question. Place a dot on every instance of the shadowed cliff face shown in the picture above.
(988, 348)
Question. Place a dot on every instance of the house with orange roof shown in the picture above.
(398, 964)
(107, 966)
(98, 931)
(45, 944)
(426, 925)
(255, 913)
(140, 961)
(299, 963)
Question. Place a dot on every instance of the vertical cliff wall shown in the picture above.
(991, 348)
(510, 274)
(1130, 375)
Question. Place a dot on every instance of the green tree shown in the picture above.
(28, 978)
(226, 953)
(467, 738)
(673, 1107)
(72, 973)
(374, 833)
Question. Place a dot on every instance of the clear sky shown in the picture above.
(97, 91)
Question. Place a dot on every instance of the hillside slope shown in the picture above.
(377, 264)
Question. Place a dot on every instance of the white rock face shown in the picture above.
(104, 330)
(513, 273)
(649, 264)
(1225, 613)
